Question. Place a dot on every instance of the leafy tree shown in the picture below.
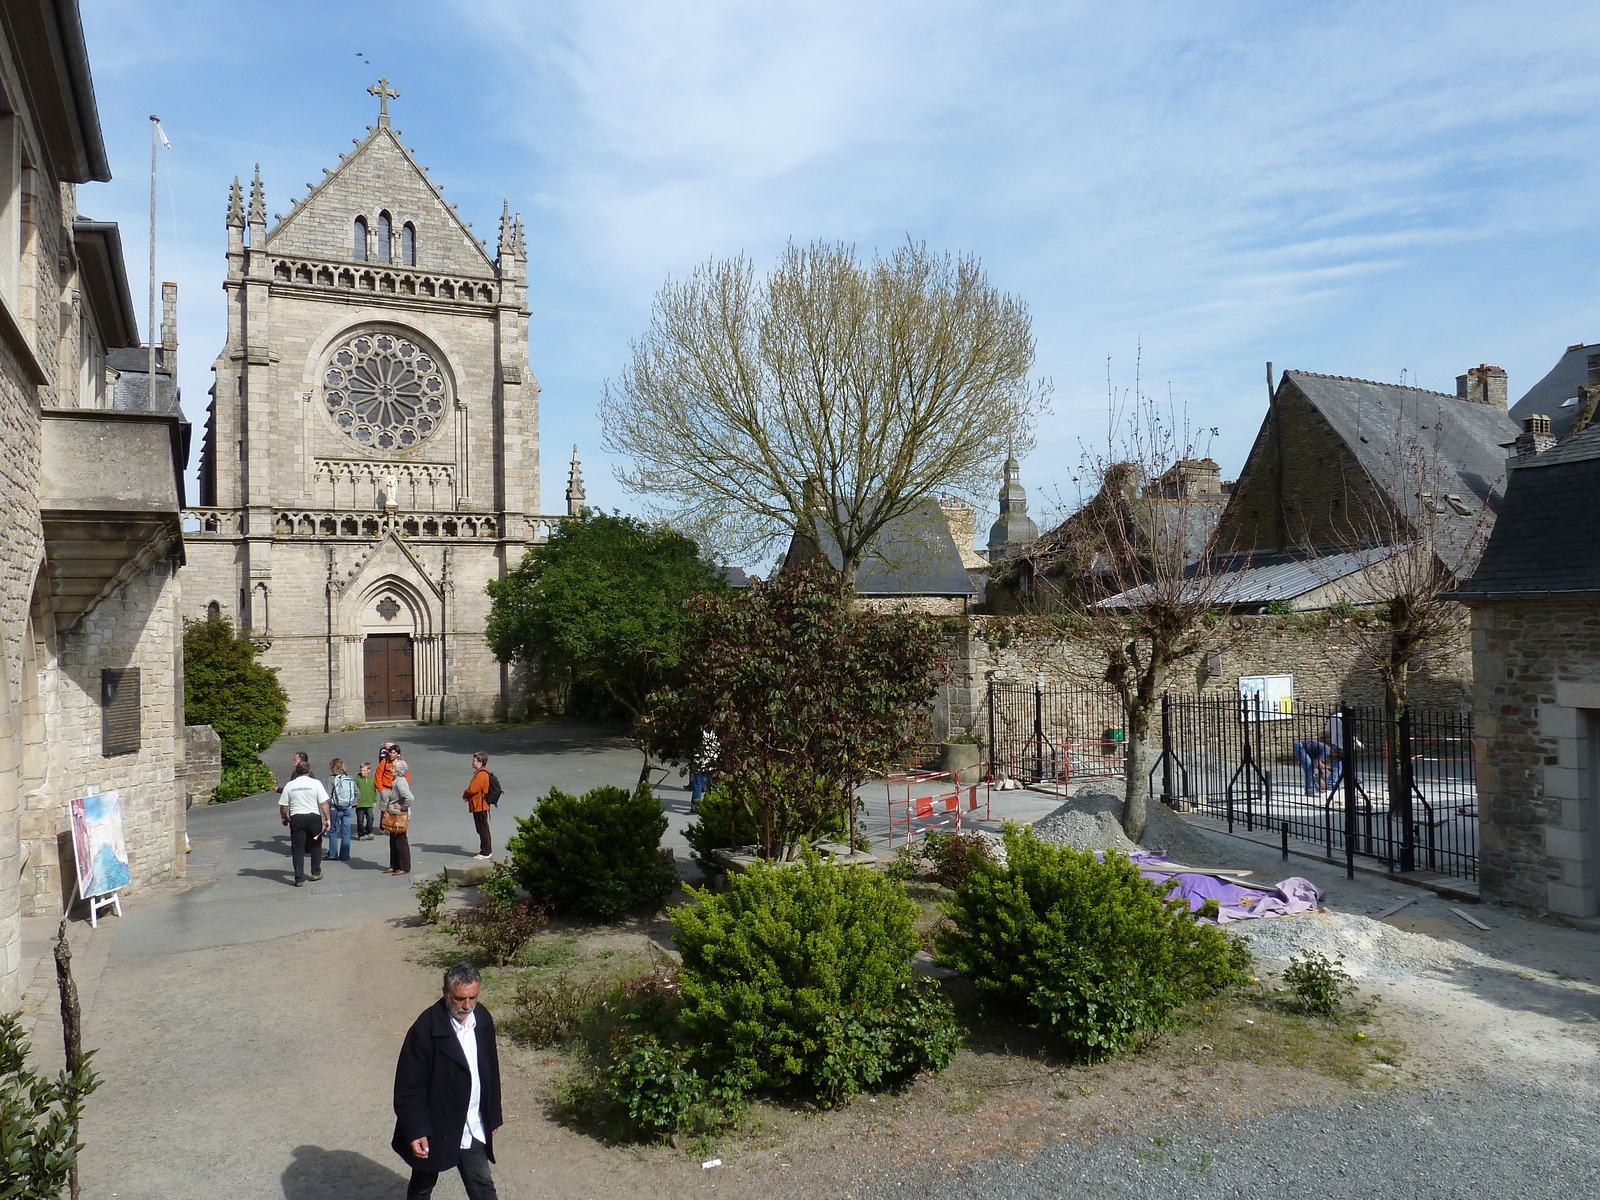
(226, 688)
(807, 698)
(831, 396)
(39, 1119)
(603, 602)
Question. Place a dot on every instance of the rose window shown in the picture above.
(385, 392)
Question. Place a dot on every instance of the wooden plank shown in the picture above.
(1394, 908)
(1182, 870)
(1470, 919)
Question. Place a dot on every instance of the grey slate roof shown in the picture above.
(1544, 544)
(1550, 395)
(1378, 421)
(912, 556)
(1281, 577)
(130, 391)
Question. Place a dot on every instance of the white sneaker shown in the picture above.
(483, 856)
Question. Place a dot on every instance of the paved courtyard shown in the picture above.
(247, 1030)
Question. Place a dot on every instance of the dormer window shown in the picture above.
(408, 245)
(385, 238)
(359, 249)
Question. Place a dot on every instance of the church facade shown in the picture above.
(371, 457)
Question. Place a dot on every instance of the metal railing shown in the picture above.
(1053, 735)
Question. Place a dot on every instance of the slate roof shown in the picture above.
(1542, 544)
(1466, 440)
(1281, 577)
(1550, 395)
(912, 556)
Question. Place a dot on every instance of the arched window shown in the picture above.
(408, 245)
(360, 247)
(385, 237)
(213, 611)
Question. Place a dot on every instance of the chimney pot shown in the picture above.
(1483, 384)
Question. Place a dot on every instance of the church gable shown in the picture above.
(380, 178)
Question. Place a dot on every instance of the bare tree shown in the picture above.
(830, 397)
(1420, 538)
(1140, 574)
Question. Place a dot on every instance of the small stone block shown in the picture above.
(468, 876)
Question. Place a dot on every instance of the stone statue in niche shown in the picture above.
(391, 490)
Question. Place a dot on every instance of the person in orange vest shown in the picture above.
(477, 798)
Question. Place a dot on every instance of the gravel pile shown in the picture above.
(1372, 951)
(1092, 820)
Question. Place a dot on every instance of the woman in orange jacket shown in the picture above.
(477, 798)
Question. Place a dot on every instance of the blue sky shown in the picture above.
(1359, 189)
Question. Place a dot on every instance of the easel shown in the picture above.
(111, 900)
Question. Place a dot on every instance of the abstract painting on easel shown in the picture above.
(98, 845)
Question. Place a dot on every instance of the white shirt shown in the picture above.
(303, 795)
(466, 1033)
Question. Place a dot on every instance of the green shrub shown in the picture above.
(498, 927)
(597, 855)
(430, 897)
(501, 882)
(798, 979)
(722, 819)
(249, 778)
(1090, 950)
(546, 1014)
(954, 856)
(39, 1119)
(1319, 983)
(226, 688)
(658, 1087)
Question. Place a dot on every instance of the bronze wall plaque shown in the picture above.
(119, 711)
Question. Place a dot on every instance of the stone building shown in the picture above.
(91, 484)
(1535, 602)
(371, 457)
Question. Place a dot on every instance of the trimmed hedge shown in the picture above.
(598, 855)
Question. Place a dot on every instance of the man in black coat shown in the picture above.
(447, 1091)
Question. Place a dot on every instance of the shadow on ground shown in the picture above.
(316, 1174)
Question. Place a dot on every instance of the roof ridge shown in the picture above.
(1406, 387)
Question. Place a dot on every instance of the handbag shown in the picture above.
(395, 822)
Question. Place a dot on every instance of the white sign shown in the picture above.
(1266, 697)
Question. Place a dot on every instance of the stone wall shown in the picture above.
(1538, 726)
(202, 764)
(135, 627)
(1317, 649)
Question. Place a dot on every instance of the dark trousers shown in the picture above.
(480, 822)
(364, 821)
(400, 854)
(474, 1177)
(305, 830)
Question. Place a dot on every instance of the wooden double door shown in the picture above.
(389, 664)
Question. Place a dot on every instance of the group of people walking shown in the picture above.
(316, 814)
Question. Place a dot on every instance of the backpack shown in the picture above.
(345, 792)
(493, 796)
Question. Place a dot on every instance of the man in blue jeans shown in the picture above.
(1316, 757)
(341, 809)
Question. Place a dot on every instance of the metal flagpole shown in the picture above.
(155, 130)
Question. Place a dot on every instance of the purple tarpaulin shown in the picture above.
(1236, 901)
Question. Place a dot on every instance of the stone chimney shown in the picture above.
(1535, 437)
(1483, 384)
(167, 353)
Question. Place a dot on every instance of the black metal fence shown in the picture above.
(1331, 776)
(1044, 735)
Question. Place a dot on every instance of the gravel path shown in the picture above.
(1517, 1141)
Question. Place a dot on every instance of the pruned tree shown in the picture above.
(1420, 535)
(1139, 574)
(805, 701)
(829, 397)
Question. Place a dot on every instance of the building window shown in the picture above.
(408, 245)
(360, 247)
(213, 611)
(384, 391)
(385, 238)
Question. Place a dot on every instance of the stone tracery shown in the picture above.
(385, 391)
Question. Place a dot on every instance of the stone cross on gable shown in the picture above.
(382, 91)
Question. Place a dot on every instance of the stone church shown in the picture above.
(371, 455)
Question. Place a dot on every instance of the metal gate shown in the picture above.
(1054, 735)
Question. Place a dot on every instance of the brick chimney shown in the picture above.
(1535, 437)
(1483, 384)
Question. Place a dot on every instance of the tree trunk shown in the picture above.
(1138, 759)
(71, 1027)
